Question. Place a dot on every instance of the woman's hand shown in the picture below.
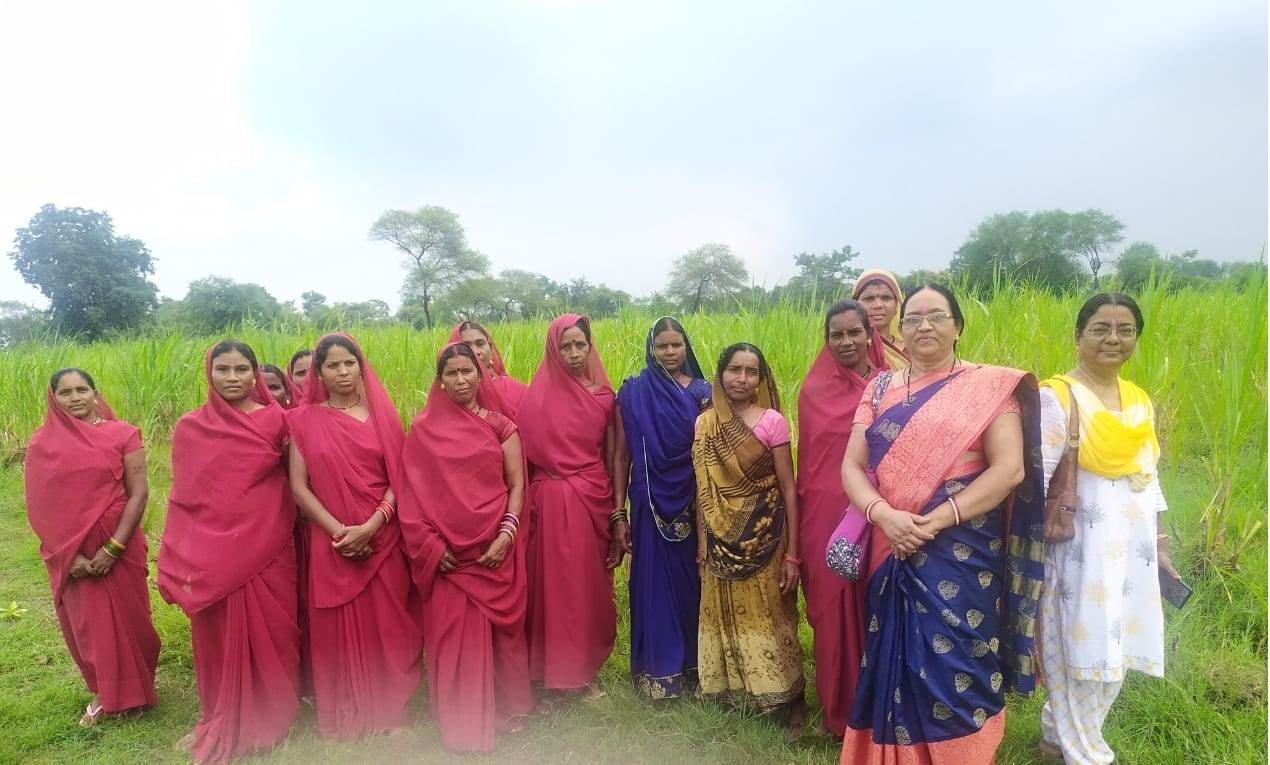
(619, 545)
(789, 577)
(497, 551)
(904, 530)
(448, 562)
(80, 568)
(1164, 561)
(101, 563)
(355, 541)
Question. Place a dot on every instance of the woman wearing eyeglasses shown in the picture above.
(947, 632)
(1100, 613)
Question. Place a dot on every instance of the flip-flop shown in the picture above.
(92, 715)
(184, 743)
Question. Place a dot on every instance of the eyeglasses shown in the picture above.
(1124, 331)
(937, 319)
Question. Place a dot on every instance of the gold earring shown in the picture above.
(442, 386)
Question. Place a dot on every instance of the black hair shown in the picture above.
(841, 307)
(1092, 305)
(725, 358)
(59, 374)
(668, 323)
(274, 369)
(584, 324)
(458, 349)
(231, 345)
(958, 318)
(324, 347)
(296, 357)
(467, 325)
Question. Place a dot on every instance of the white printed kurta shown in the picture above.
(1102, 591)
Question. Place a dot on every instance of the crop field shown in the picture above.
(1202, 358)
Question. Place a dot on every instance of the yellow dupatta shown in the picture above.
(1110, 446)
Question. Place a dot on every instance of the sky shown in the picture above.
(589, 138)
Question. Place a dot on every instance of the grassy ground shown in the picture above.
(1211, 402)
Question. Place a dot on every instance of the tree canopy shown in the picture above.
(94, 279)
(214, 303)
(821, 278)
(437, 257)
(707, 277)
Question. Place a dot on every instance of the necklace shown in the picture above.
(475, 410)
(908, 380)
(356, 401)
(97, 421)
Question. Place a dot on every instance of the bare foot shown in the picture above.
(185, 743)
(593, 691)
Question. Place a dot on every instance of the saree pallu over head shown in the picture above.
(230, 511)
(737, 491)
(500, 392)
(658, 415)
(560, 418)
(1110, 446)
(74, 476)
(827, 402)
(453, 496)
(346, 461)
(881, 352)
(951, 629)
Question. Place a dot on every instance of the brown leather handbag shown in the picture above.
(1061, 501)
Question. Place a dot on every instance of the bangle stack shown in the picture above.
(618, 516)
(791, 559)
(956, 511)
(387, 509)
(868, 510)
(113, 547)
(510, 525)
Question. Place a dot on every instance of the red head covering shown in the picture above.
(230, 511)
(502, 393)
(74, 476)
(454, 496)
(558, 416)
(342, 461)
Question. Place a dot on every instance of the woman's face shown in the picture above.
(232, 376)
(76, 396)
(670, 349)
(849, 339)
(881, 303)
(300, 370)
(277, 388)
(461, 380)
(478, 342)
(576, 350)
(1108, 339)
(928, 328)
(741, 377)
(340, 371)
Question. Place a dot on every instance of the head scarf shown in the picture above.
(658, 417)
(230, 511)
(453, 497)
(339, 479)
(878, 348)
(559, 416)
(74, 476)
(501, 392)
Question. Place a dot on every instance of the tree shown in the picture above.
(215, 303)
(20, 322)
(823, 278)
(313, 306)
(95, 280)
(910, 283)
(1136, 264)
(1092, 233)
(524, 293)
(1039, 249)
(436, 253)
(706, 277)
(594, 300)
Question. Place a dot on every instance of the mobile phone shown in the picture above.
(1174, 590)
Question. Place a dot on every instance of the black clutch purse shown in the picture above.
(1173, 590)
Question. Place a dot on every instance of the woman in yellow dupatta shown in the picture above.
(748, 651)
(1100, 612)
(879, 292)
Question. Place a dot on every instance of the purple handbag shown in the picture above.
(848, 549)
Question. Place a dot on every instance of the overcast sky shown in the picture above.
(260, 140)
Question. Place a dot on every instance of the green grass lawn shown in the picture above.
(1211, 707)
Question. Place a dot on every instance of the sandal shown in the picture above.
(593, 691)
(92, 714)
(1050, 751)
(185, 743)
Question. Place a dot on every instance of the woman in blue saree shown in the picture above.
(955, 559)
(658, 408)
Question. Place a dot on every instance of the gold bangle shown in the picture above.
(1158, 537)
